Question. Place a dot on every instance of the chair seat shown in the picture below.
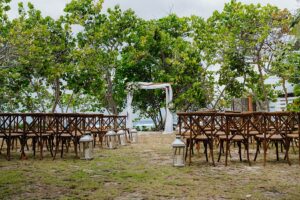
(15, 134)
(186, 134)
(66, 135)
(253, 133)
(31, 135)
(293, 135)
(234, 138)
(95, 130)
(201, 137)
(268, 136)
(50, 132)
(219, 133)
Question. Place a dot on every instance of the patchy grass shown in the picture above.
(144, 171)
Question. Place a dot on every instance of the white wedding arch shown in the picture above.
(147, 86)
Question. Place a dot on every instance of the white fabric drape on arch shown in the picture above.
(148, 86)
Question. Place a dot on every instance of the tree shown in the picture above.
(163, 51)
(247, 36)
(293, 59)
(4, 28)
(100, 45)
(41, 56)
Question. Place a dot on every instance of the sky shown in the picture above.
(150, 9)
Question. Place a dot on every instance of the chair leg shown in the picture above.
(197, 143)
(62, 147)
(277, 153)
(265, 147)
(56, 147)
(257, 149)
(187, 147)
(211, 150)
(205, 150)
(221, 149)
(50, 143)
(75, 147)
(41, 148)
(33, 146)
(293, 146)
(247, 150)
(2, 143)
(226, 152)
(240, 150)
(23, 144)
(287, 147)
(8, 143)
(190, 151)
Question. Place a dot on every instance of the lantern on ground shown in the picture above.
(86, 147)
(134, 135)
(111, 138)
(122, 137)
(179, 150)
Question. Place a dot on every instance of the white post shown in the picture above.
(129, 110)
(169, 117)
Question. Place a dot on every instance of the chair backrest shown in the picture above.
(237, 124)
(279, 123)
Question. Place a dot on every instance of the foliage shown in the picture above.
(246, 38)
(41, 48)
(49, 68)
(165, 53)
(99, 46)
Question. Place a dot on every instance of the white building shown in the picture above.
(280, 104)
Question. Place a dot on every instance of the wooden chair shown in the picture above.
(197, 128)
(66, 132)
(293, 135)
(275, 130)
(237, 131)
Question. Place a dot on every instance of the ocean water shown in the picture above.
(144, 123)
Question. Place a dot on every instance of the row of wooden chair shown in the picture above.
(224, 129)
(56, 132)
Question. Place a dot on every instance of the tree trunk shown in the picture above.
(285, 93)
(261, 80)
(219, 97)
(111, 104)
(56, 94)
(69, 102)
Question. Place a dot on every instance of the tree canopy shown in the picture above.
(47, 67)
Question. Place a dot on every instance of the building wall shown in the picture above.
(280, 104)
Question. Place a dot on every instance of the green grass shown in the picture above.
(144, 171)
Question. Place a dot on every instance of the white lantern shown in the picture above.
(111, 138)
(179, 150)
(86, 147)
(134, 135)
(122, 137)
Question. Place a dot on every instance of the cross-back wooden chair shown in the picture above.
(6, 133)
(95, 126)
(108, 123)
(293, 135)
(66, 132)
(185, 131)
(276, 127)
(34, 128)
(220, 127)
(195, 128)
(237, 131)
(203, 128)
(121, 125)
